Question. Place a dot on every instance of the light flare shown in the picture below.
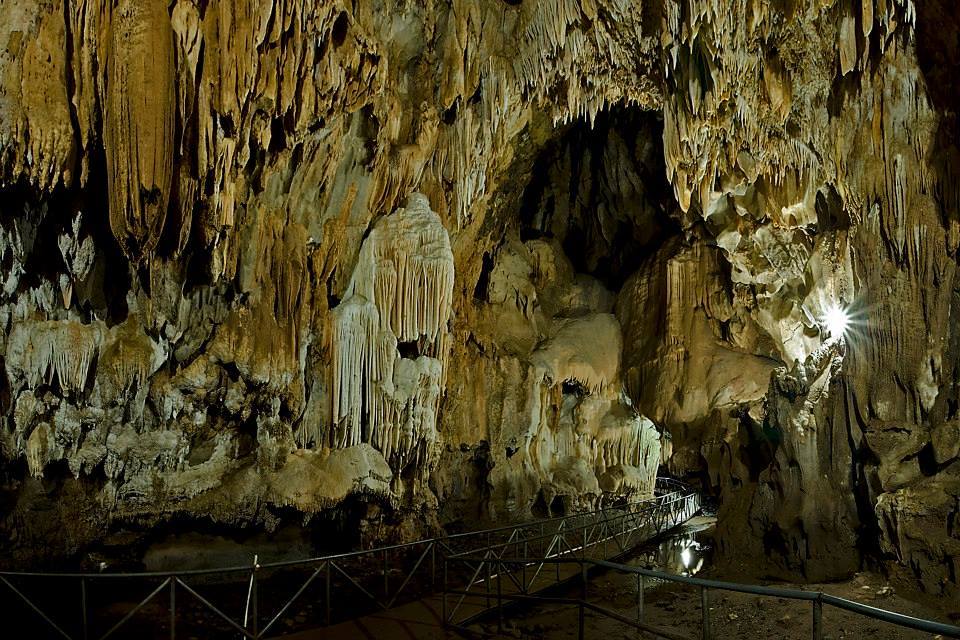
(836, 320)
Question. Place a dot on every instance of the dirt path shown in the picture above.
(734, 616)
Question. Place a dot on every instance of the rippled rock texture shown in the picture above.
(475, 260)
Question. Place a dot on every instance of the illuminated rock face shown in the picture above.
(269, 256)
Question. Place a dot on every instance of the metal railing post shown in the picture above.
(818, 619)
(581, 624)
(583, 580)
(386, 584)
(327, 596)
(705, 613)
(433, 566)
(443, 603)
(253, 599)
(499, 597)
(486, 582)
(173, 608)
(523, 569)
(559, 553)
(583, 598)
(251, 594)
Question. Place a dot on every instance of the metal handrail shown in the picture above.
(550, 535)
(661, 483)
(622, 529)
(542, 536)
(818, 598)
(668, 493)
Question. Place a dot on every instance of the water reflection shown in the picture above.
(686, 553)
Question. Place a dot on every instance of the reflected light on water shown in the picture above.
(683, 554)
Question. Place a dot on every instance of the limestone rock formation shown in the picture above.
(465, 260)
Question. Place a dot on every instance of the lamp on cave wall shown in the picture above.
(837, 320)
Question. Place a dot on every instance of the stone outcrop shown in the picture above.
(473, 260)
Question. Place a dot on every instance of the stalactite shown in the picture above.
(78, 256)
(629, 449)
(355, 323)
(139, 123)
(37, 449)
(585, 350)
(45, 351)
(401, 290)
(37, 143)
(127, 360)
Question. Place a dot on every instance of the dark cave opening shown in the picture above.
(483, 282)
(573, 387)
(592, 199)
(757, 452)
(339, 32)
(110, 276)
(410, 350)
(602, 192)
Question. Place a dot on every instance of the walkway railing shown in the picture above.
(609, 534)
(503, 570)
(255, 600)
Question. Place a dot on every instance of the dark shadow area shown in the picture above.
(602, 192)
(938, 56)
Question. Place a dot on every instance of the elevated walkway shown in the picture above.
(475, 583)
(396, 591)
(429, 589)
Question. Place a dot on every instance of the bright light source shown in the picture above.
(686, 558)
(837, 320)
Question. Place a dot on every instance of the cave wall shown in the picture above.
(465, 258)
(830, 180)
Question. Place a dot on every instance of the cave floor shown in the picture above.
(421, 619)
(734, 616)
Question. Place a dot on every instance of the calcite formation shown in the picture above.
(138, 123)
(400, 292)
(472, 260)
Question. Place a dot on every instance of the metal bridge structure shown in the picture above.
(547, 568)
(434, 588)
(266, 600)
